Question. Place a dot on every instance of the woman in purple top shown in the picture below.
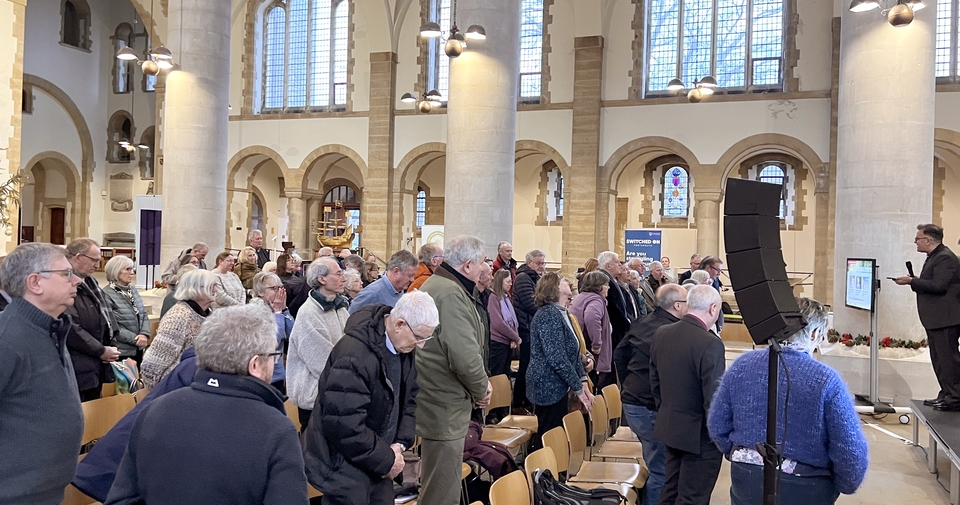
(503, 323)
(590, 308)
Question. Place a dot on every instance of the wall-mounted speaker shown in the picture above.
(751, 233)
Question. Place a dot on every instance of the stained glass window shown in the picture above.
(123, 69)
(438, 74)
(947, 34)
(739, 42)
(306, 55)
(421, 207)
(675, 191)
(774, 174)
(531, 48)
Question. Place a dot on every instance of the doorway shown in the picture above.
(57, 220)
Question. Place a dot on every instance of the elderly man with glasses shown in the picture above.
(92, 339)
(38, 390)
(233, 442)
(365, 417)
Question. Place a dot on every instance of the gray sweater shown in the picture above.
(41, 422)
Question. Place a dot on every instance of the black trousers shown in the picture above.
(90, 394)
(499, 363)
(945, 357)
(548, 418)
(690, 477)
(520, 386)
(304, 416)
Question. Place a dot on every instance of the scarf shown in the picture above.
(508, 313)
(338, 302)
(128, 293)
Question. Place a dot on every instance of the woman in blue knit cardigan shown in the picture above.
(821, 437)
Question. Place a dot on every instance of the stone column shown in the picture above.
(580, 217)
(11, 90)
(823, 240)
(884, 160)
(195, 126)
(708, 221)
(378, 211)
(482, 125)
(297, 224)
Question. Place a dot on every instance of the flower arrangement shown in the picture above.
(833, 336)
(159, 285)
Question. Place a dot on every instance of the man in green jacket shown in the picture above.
(450, 370)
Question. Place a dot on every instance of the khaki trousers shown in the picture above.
(440, 465)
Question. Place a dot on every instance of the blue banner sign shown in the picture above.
(643, 244)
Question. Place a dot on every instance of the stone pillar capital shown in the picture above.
(708, 195)
(293, 193)
(588, 42)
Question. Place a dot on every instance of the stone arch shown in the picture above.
(774, 143)
(653, 147)
(87, 163)
(527, 145)
(58, 162)
(339, 151)
(242, 169)
(946, 150)
(238, 159)
(430, 151)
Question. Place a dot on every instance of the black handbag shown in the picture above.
(548, 491)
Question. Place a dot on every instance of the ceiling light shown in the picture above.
(900, 15)
(675, 85)
(915, 4)
(476, 32)
(408, 98)
(455, 46)
(161, 53)
(150, 67)
(864, 5)
(127, 54)
(164, 64)
(430, 30)
(707, 82)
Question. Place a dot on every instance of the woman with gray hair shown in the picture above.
(225, 438)
(178, 329)
(318, 327)
(268, 291)
(170, 297)
(133, 325)
(352, 283)
(825, 450)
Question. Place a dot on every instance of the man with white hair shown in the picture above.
(255, 238)
(619, 307)
(233, 442)
(686, 365)
(451, 370)
(199, 251)
(647, 293)
(365, 417)
(42, 421)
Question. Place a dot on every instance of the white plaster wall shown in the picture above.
(435, 178)
(946, 113)
(274, 207)
(526, 234)
(412, 131)
(294, 139)
(709, 129)
(552, 127)
(951, 205)
(561, 57)
(408, 71)
(617, 49)
(56, 186)
(59, 133)
(237, 34)
(815, 43)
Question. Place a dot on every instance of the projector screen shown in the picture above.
(860, 279)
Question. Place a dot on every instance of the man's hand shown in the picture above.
(586, 398)
(486, 399)
(142, 340)
(903, 280)
(110, 354)
(398, 462)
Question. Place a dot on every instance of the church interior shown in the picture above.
(570, 123)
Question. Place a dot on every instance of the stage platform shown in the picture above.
(944, 431)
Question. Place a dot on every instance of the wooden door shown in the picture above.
(57, 217)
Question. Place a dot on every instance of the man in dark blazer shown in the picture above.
(686, 364)
(938, 302)
(619, 307)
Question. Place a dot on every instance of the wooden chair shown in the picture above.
(611, 394)
(511, 489)
(100, 415)
(634, 474)
(546, 460)
(73, 496)
(140, 394)
(604, 448)
(503, 397)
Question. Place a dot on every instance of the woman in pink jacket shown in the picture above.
(503, 323)
(590, 308)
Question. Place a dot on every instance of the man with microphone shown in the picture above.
(938, 303)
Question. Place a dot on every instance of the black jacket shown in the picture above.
(686, 364)
(344, 451)
(619, 308)
(632, 358)
(938, 289)
(297, 293)
(263, 256)
(523, 289)
(91, 332)
(224, 439)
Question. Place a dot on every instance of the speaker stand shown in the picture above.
(770, 450)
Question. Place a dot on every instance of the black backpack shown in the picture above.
(549, 491)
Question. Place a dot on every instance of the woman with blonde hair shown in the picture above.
(231, 290)
(246, 268)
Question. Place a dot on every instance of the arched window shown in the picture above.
(256, 212)
(120, 132)
(739, 42)
(146, 146)
(773, 173)
(75, 24)
(676, 191)
(421, 207)
(531, 50)
(341, 209)
(122, 69)
(438, 71)
(551, 198)
(306, 55)
(947, 34)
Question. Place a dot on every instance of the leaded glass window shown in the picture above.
(676, 184)
(531, 49)
(739, 42)
(948, 50)
(438, 73)
(774, 174)
(421, 207)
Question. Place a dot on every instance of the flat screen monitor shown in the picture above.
(860, 279)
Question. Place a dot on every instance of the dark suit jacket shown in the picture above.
(619, 308)
(938, 289)
(89, 335)
(686, 364)
(263, 256)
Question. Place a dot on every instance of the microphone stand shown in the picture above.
(772, 459)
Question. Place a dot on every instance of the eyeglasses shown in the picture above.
(66, 273)
(419, 340)
(680, 301)
(274, 355)
(130, 269)
(91, 258)
(272, 288)
(438, 256)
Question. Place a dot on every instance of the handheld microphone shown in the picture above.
(910, 268)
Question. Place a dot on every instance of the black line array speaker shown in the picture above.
(751, 233)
